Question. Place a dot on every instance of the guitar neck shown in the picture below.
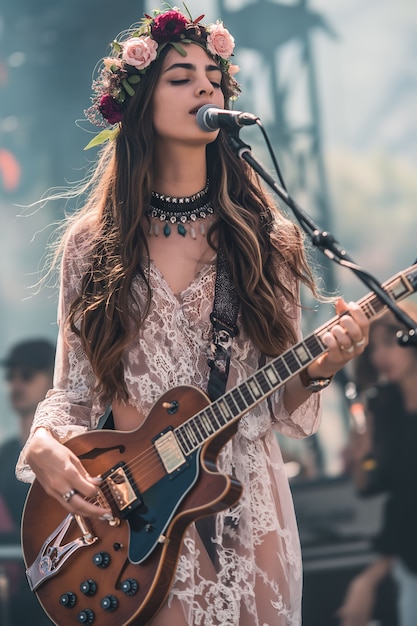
(235, 403)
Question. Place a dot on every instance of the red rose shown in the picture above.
(168, 26)
(110, 109)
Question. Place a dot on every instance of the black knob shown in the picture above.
(129, 586)
(85, 617)
(88, 587)
(68, 599)
(109, 603)
(101, 559)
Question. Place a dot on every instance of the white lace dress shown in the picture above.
(257, 576)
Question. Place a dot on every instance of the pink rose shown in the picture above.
(233, 69)
(220, 41)
(139, 51)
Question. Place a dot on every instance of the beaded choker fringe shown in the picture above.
(187, 212)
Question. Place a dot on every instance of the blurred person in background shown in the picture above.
(28, 373)
(383, 460)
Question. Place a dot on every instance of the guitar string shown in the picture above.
(150, 454)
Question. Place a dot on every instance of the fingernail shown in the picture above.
(106, 517)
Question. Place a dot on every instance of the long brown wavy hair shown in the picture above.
(260, 244)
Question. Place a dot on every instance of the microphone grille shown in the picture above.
(201, 117)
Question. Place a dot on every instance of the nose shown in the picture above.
(204, 87)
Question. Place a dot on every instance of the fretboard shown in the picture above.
(239, 400)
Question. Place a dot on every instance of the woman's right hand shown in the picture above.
(61, 472)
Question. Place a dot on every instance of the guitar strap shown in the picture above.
(223, 318)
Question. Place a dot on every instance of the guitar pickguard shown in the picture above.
(150, 519)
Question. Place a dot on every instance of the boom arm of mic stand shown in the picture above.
(324, 240)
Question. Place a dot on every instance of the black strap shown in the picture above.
(223, 318)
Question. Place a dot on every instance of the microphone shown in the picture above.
(211, 118)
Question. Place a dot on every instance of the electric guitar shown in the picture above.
(157, 480)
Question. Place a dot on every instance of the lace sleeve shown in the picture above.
(71, 406)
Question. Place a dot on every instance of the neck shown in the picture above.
(180, 170)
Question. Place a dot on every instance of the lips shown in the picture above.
(197, 108)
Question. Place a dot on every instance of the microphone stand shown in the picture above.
(325, 240)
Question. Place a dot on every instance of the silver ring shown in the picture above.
(68, 495)
(360, 343)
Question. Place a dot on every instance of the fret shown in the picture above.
(234, 409)
(315, 345)
(245, 390)
(291, 361)
(195, 425)
(302, 353)
(224, 409)
(219, 416)
(371, 308)
(214, 415)
(186, 443)
(400, 289)
(411, 281)
(272, 375)
(282, 368)
(263, 382)
(180, 439)
(190, 433)
(367, 309)
(255, 389)
(238, 399)
(207, 425)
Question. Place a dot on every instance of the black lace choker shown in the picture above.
(188, 211)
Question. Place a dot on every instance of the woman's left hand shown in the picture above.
(346, 339)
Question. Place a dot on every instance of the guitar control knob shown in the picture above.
(129, 586)
(86, 617)
(88, 587)
(68, 599)
(101, 559)
(109, 603)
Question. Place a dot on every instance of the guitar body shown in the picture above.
(121, 574)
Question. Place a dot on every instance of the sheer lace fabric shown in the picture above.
(253, 577)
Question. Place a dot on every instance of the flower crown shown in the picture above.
(130, 59)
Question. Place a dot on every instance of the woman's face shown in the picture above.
(185, 85)
(393, 362)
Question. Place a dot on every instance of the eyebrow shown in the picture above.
(190, 66)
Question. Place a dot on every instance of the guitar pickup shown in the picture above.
(123, 491)
(169, 451)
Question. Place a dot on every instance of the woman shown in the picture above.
(385, 463)
(137, 290)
